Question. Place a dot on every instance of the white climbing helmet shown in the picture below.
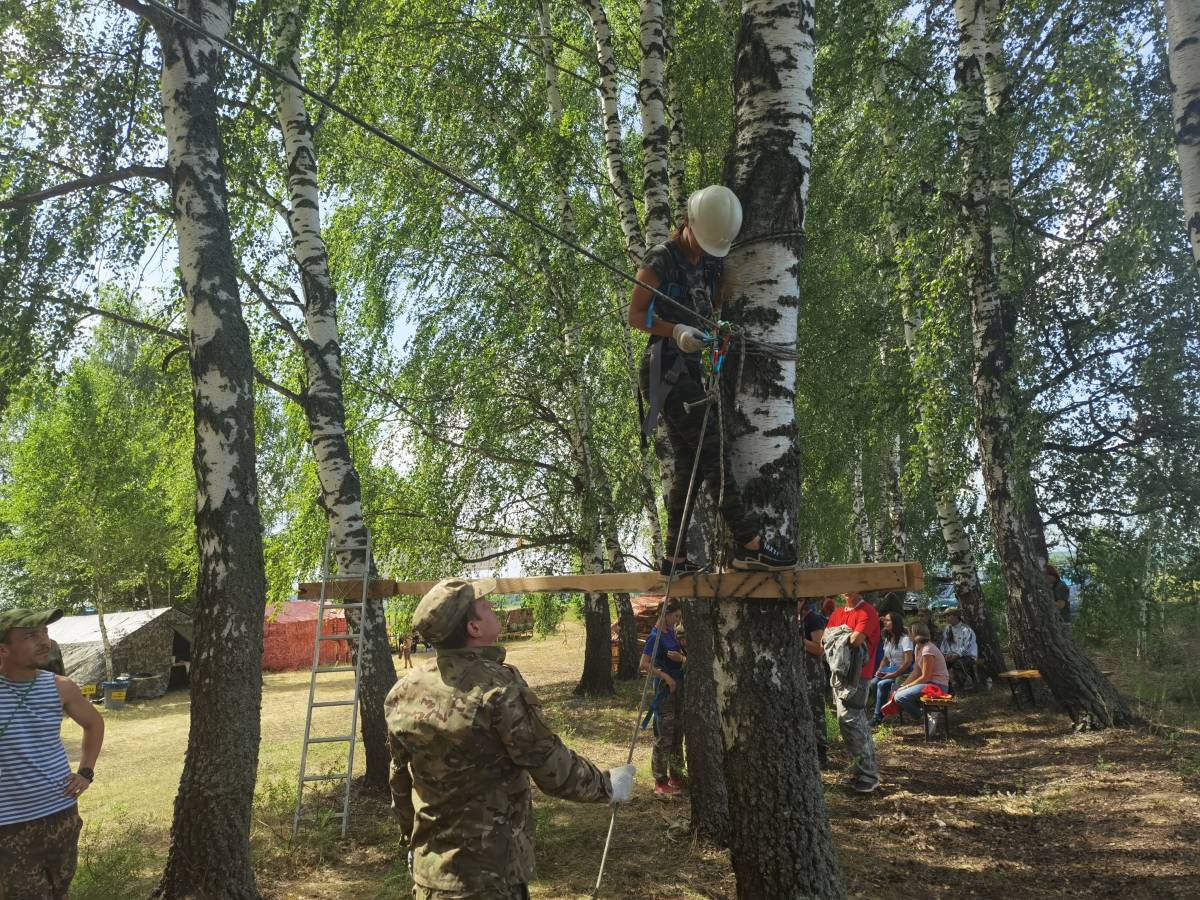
(715, 218)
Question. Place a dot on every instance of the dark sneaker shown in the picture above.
(682, 567)
(769, 557)
(860, 785)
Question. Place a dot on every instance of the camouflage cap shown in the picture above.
(445, 605)
(23, 617)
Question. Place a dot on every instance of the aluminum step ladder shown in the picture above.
(351, 736)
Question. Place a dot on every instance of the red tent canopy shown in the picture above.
(289, 633)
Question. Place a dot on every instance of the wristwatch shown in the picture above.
(85, 772)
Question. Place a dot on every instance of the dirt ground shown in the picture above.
(1014, 805)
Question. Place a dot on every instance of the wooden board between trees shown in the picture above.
(904, 576)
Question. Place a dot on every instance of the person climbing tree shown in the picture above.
(687, 268)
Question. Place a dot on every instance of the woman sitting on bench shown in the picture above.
(930, 668)
(897, 661)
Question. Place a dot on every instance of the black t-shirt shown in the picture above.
(691, 286)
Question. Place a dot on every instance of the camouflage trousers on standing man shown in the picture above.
(856, 733)
(37, 858)
(667, 759)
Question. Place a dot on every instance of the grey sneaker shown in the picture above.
(861, 784)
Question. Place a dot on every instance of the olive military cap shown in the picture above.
(444, 607)
(22, 617)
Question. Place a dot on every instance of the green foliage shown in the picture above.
(96, 506)
(115, 864)
(548, 612)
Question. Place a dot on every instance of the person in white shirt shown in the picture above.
(897, 662)
(960, 649)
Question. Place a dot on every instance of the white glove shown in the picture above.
(689, 339)
(622, 783)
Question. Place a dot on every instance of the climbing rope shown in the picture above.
(771, 348)
(713, 367)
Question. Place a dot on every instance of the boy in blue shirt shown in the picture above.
(667, 669)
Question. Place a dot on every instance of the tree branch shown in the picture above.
(89, 181)
(278, 388)
(279, 317)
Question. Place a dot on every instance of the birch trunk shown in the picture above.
(596, 679)
(618, 178)
(675, 159)
(1040, 638)
(780, 839)
(324, 404)
(967, 587)
(210, 834)
(1183, 59)
(654, 123)
(105, 643)
(863, 535)
(895, 501)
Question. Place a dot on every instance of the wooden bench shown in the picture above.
(1024, 677)
(941, 704)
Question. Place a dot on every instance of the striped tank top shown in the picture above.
(33, 760)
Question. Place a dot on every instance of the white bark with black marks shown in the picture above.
(895, 500)
(675, 154)
(618, 177)
(324, 402)
(1040, 638)
(652, 105)
(210, 833)
(780, 839)
(864, 536)
(1183, 59)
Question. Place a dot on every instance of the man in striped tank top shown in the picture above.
(39, 816)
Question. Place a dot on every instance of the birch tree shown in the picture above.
(655, 139)
(322, 398)
(781, 843)
(1183, 53)
(1040, 637)
(210, 834)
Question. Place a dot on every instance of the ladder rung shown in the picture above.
(338, 777)
(331, 740)
(329, 604)
(325, 669)
(335, 703)
(335, 637)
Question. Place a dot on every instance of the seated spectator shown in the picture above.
(897, 662)
(929, 668)
(960, 649)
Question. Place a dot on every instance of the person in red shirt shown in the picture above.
(862, 619)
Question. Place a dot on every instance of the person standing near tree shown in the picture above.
(39, 794)
(1062, 593)
(812, 625)
(687, 268)
(850, 699)
(666, 710)
(466, 734)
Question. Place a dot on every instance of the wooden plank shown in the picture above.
(348, 589)
(796, 582)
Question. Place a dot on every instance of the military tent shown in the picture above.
(149, 644)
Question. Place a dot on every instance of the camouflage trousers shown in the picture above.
(667, 758)
(519, 892)
(814, 675)
(37, 858)
(856, 733)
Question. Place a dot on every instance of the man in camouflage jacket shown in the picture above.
(466, 735)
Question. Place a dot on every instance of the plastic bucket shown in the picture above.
(114, 693)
